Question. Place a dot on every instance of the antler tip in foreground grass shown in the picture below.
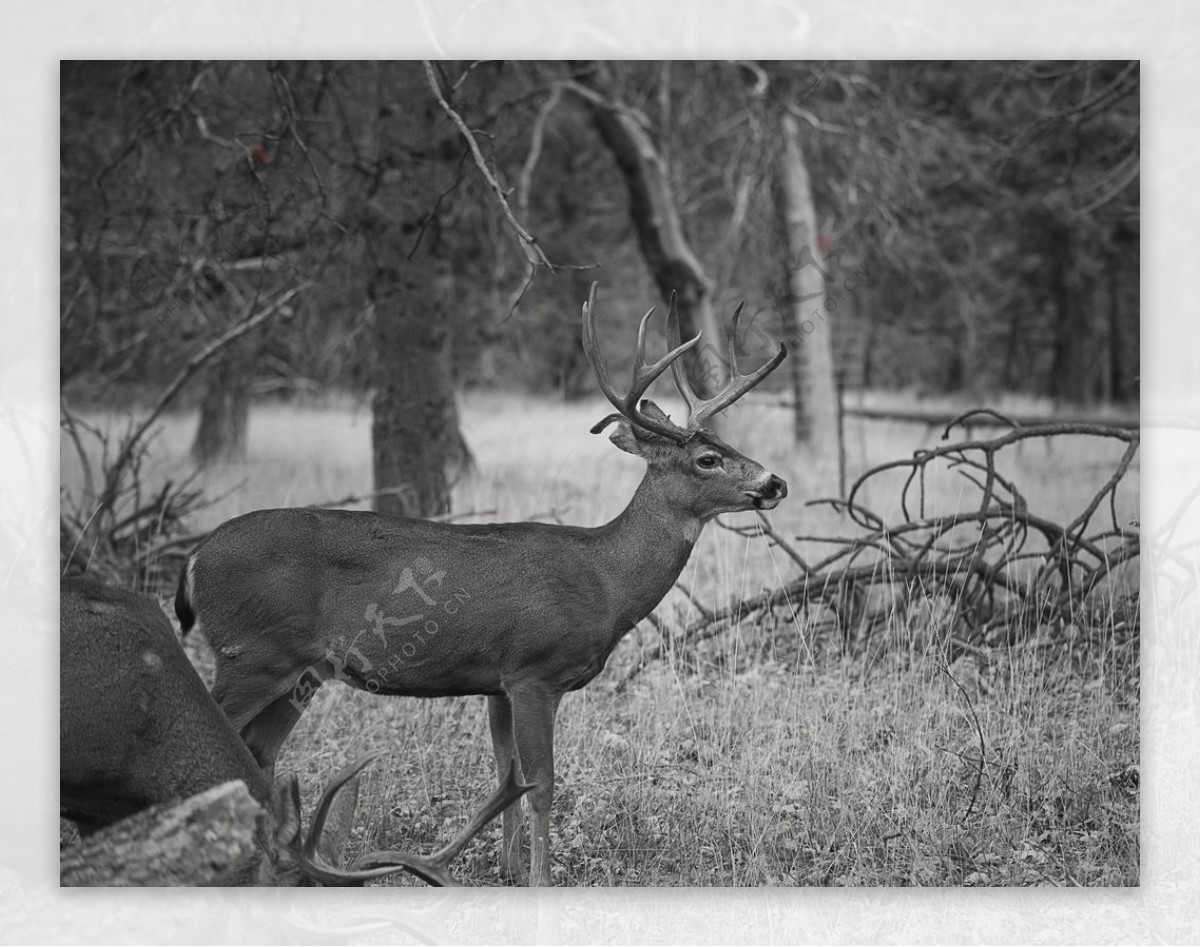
(435, 869)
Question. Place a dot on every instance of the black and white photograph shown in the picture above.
(600, 473)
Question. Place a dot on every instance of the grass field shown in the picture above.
(764, 757)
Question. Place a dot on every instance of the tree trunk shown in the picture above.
(417, 446)
(655, 216)
(199, 841)
(1112, 367)
(1009, 376)
(1123, 349)
(1070, 367)
(415, 432)
(806, 316)
(225, 410)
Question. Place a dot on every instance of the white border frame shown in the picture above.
(32, 908)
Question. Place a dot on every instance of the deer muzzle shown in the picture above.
(768, 496)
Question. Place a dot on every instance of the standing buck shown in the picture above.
(138, 728)
(521, 612)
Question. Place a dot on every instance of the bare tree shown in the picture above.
(415, 434)
(654, 211)
(810, 331)
(416, 441)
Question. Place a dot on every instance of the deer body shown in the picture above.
(495, 601)
(139, 728)
(519, 612)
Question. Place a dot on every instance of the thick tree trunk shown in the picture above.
(418, 449)
(225, 405)
(415, 432)
(809, 322)
(225, 410)
(655, 216)
(200, 841)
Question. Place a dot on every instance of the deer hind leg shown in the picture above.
(264, 734)
(262, 711)
(533, 711)
(512, 858)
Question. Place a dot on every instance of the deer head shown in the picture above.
(719, 478)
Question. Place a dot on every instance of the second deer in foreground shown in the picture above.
(520, 612)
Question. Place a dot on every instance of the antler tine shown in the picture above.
(435, 869)
(512, 790)
(643, 375)
(701, 409)
(312, 863)
(681, 380)
(328, 794)
(592, 350)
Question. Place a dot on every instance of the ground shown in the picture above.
(765, 756)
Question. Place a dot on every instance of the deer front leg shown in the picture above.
(512, 865)
(533, 710)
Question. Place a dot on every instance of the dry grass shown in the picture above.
(764, 758)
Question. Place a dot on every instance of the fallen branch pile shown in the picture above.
(1003, 569)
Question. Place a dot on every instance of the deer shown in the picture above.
(521, 613)
(138, 728)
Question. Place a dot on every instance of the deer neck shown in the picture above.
(646, 547)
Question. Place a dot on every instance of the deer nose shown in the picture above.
(776, 488)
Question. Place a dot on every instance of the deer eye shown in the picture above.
(708, 461)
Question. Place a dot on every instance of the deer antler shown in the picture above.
(700, 409)
(643, 375)
(433, 869)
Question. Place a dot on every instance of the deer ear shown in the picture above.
(625, 439)
(654, 412)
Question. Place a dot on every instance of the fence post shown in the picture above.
(840, 383)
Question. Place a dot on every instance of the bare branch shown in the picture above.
(533, 252)
(536, 137)
(194, 364)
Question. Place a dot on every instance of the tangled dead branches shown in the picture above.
(1003, 569)
(114, 529)
(111, 528)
